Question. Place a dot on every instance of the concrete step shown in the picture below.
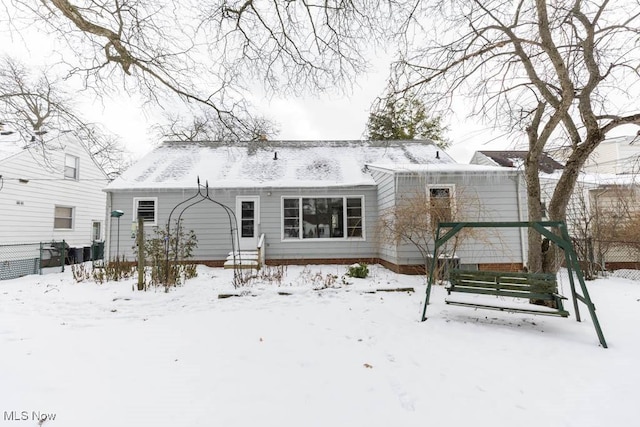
(248, 264)
(244, 255)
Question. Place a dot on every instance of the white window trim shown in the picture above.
(94, 221)
(323, 239)
(452, 196)
(73, 217)
(77, 167)
(155, 210)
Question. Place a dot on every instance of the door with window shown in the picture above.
(248, 216)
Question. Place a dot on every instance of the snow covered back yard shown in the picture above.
(83, 354)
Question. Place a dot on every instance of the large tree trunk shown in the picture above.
(534, 261)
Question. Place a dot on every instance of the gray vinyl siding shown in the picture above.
(211, 223)
(485, 198)
(386, 201)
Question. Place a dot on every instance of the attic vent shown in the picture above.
(275, 155)
(437, 154)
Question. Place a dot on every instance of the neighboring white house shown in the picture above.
(310, 201)
(50, 190)
(619, 155)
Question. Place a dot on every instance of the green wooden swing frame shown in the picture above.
(560, 239)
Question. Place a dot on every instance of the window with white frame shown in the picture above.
(71, 164)
(96, 230)
(441, 204)
(145, 208)
(63, 218)
(322, 217)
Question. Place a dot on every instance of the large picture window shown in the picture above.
(322, 217)
(146, 208)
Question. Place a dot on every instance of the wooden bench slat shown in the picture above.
(535, 286)
(507, 286)
(559, 313)
(506, 293)
(480, 273)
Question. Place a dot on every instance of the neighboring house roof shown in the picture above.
(515, 159)
(271, 163)
(10, 144)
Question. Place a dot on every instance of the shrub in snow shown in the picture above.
(358, 270)
(167, 256)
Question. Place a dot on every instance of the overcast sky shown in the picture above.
(329, 116)
(312, 117)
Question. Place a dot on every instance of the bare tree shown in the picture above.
(206, 127)
(551, 73)
(209, 52)
(414, 220)
(34, 103)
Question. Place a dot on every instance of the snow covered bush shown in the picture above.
(359, 271)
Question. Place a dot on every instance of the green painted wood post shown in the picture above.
(64, 255)
(141, 260)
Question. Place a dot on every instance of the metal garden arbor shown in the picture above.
(197, 198)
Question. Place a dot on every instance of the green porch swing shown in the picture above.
(533, 286)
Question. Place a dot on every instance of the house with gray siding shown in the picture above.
(310, 202)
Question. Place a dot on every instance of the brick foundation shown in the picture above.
(611, 266)
(511, 267)
(401, 269)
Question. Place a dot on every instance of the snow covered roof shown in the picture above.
(271, 163)
(11, 143)
(444, 169)
(515, 159)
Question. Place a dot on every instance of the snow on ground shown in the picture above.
(104, 355)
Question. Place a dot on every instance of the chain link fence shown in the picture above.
(607, 255)
(19, 260)
(22, 259)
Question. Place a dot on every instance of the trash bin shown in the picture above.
(97, 251)
(79, 255)
(50, 257)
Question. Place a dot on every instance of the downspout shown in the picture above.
(396, 253)
(523, 242)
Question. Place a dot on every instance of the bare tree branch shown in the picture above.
(34, 104)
